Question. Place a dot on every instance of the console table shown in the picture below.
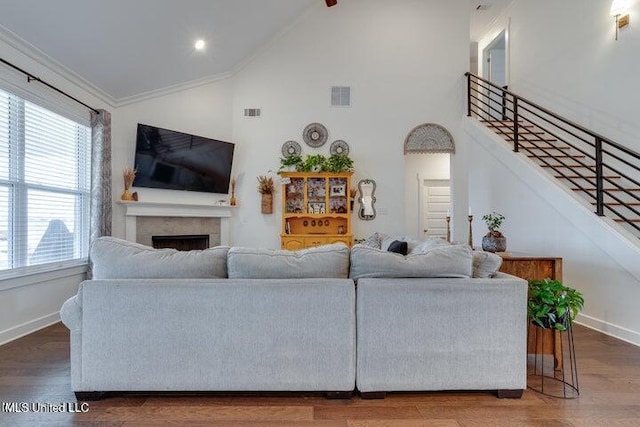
(537, 267)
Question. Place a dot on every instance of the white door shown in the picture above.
(436, 198)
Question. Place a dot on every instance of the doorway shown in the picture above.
(494, 69)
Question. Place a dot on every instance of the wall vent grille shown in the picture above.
(252, 112)
(341, 96)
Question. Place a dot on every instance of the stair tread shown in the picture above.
(538, 147)
(569, 166)
(559, 156)
(619, 204)
(585, 177)
(606, 189)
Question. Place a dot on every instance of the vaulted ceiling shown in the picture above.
(130, 47)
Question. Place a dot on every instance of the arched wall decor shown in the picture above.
(429, 138)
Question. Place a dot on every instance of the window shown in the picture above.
(44, 185)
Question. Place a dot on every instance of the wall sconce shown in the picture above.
(618, 11)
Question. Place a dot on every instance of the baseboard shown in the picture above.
(27, 328)
(624, 334)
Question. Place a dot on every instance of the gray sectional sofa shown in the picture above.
(241, 319)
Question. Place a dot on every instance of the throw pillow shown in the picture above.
(429, 244)
(445, 261)
(328, 261)
(114, 258)
(398, 247)
(485, 264)
(375, 240)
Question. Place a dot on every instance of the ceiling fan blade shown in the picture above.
(331, 2)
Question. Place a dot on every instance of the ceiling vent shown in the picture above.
(341, 96)
(252, 112)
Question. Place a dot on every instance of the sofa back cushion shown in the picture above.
(120, 259)
(328, 261)
(441, 261)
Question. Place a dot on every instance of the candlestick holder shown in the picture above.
(448, 219)
(470, 232)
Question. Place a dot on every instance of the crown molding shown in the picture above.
(30, 51)
(168, 90)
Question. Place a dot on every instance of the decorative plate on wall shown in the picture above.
(291, 148)
(339, 147)
(315, 135)
(429, 138)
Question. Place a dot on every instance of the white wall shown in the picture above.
(543, 219)
(203, 110)
(404, 61)
(32, 302)
(563, 55)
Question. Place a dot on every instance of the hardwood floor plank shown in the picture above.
(407, 412)
(402, 423)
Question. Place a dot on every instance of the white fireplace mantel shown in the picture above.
(158, 209)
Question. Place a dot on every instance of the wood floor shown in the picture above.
(36, 369)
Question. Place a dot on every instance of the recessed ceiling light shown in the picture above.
(199, 44)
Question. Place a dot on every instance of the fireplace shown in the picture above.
(181, 243)
(143, 220)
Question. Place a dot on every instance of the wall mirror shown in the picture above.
(367, 199)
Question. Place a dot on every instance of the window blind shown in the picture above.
(44, 185)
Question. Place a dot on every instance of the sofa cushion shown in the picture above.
(328, 261)
(120, 259)
(443, 261)
(485, 264)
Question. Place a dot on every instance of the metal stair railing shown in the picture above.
(608, 168)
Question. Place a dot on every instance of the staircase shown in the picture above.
(601, 171)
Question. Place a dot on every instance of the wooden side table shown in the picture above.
(537, 267)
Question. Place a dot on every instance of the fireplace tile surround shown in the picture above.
(146, 219)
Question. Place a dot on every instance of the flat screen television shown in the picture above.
(178, 161)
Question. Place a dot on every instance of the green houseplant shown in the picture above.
(494, 240)
(339, 163)
(552, 305)
(292, 163)
(314, 163)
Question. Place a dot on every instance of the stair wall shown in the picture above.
(543, 217)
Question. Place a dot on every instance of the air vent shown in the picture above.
(252, 112)
(341, 96)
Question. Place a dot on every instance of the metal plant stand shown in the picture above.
(552, 373)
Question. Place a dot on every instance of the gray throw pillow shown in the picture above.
(114, 258)
(485, 264)
(445, 261)
(327, 261)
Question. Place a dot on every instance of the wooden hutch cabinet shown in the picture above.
(315, 209)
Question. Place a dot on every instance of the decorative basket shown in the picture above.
(267, 203)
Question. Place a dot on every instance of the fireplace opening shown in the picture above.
(181, 243)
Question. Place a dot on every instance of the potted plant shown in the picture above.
(314, 163)
(339, 163)
(266, 187)
(291, 163)
(494, 241)
(551, 305)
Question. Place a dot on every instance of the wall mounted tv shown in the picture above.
(179, 161)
